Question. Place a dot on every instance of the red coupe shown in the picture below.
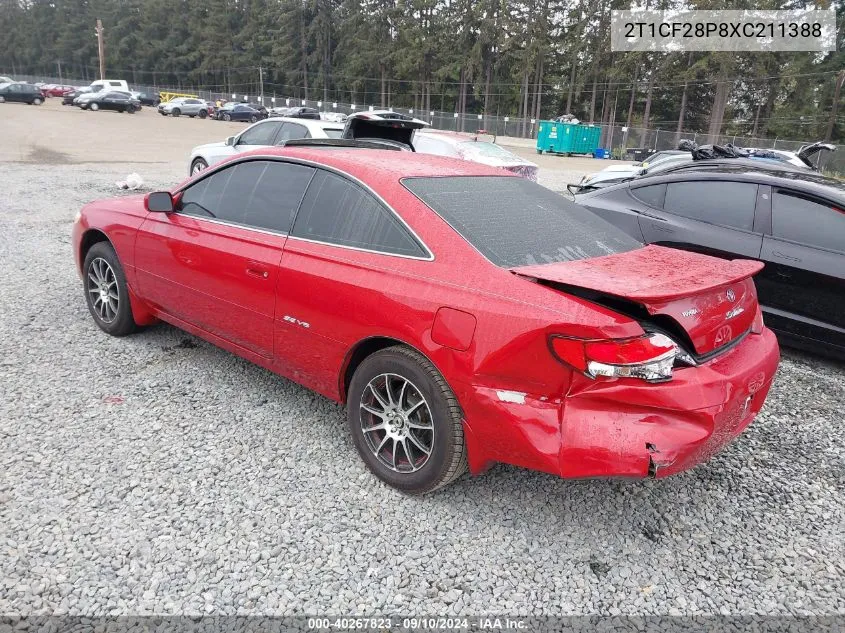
(464, 315)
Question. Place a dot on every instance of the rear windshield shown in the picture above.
(515, 222)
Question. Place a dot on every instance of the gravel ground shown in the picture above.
(159, 474)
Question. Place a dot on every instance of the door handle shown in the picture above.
(786, 257)
(257, 272)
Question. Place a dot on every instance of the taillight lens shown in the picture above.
(649, 357)
(757, 324)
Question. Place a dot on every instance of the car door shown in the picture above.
(715, 217)
(332, 287)
(213, 263)
(15, 93)
(803, 284)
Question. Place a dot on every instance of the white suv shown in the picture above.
(266, 133)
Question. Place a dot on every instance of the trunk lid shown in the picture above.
(705, 301)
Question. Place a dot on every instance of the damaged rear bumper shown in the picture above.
(625, 428)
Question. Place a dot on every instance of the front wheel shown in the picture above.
(406, 422)
(106, 292)
(37, 101)
(203, 114)
(227, 117)
(94, 107)
(197, 166)
(253, 119)
(176, 112)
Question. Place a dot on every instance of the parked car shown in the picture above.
(803, 158)
(57, 90)
(112, 100)
(616, 173)
(237, 112)
(81, 100)
(21, 93)
(273, 131)
(301, 112)
(148, 98)
(69, 98)
(464, 315)
(792, 220)
(469, 147)
(260, 108)
(188, 106)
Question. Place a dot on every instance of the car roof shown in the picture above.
(318, 123)
(748, 169)
(371, 164)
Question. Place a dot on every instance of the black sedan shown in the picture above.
(149, 98)
(118, 101)
(21, 93)
(793, 220)
(238, 112)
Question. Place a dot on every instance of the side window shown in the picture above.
(728, 203)
(277, 195)
(340, 212)
(259, 193)
(652, 195)
(261, 134)
(428, 145)
(291, 131)
(811, 222)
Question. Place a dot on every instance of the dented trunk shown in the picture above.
(706, 302)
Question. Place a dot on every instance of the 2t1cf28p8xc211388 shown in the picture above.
(465, 316)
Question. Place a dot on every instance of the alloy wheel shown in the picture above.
(397, 423)
(102, 289)
(199, 166)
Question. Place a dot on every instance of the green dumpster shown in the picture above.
(567, 138)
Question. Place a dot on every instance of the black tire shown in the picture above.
(94, 106)
(198, 165)
(448, 459)
(132, 109)
(122, 322)
(176, 112)
(37, 101)
(203, 114)
(227, 117)
(253, 119)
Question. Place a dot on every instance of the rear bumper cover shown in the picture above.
(624, 428)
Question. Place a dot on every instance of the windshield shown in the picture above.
(515, 222)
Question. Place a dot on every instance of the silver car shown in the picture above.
(184, 105)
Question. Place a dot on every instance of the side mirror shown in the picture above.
(159, 202)
(231, 141)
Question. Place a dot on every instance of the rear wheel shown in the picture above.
(94, 106)
(405, 421)
(176, 112)
(106, 292)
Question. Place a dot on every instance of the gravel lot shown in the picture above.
(159, 474)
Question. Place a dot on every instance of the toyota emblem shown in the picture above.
(730, 295)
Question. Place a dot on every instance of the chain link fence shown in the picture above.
(619, 140)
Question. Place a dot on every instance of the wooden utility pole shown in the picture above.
(840, 79)
(101, 49)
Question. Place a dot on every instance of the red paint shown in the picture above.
(484, 328)
(453, 328)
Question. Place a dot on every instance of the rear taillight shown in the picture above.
(757, 324)
(649, 357)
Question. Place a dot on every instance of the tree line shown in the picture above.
(526, 59)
